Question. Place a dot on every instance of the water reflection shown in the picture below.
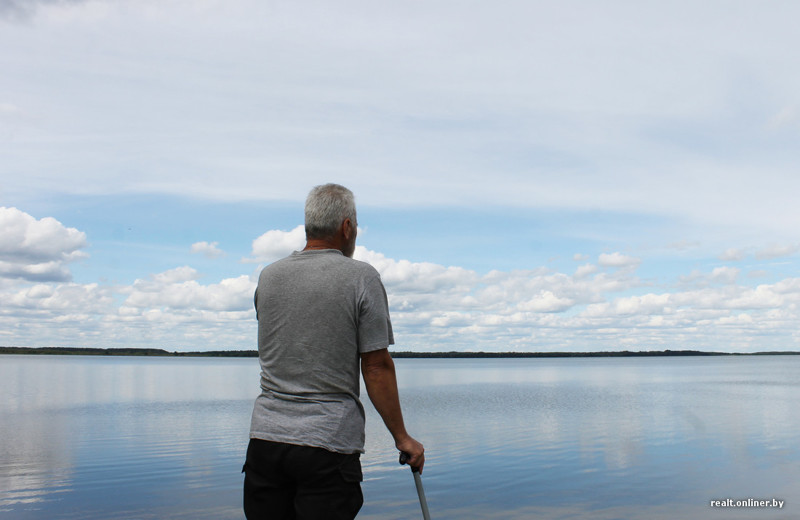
(635, 434)
(123, 437)
(570, 438)
(56, 382)
(34, 461)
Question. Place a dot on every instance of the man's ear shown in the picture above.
(348, 228)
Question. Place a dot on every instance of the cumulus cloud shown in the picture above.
(58, 302)
(416, 277)
(37, 249)
(762, 297)
(546, 301)
(435, 307)
(170, 310)
(648, 305)
(208, 249)
(276, 244)
(585, 270)
(180, 289)
(461, 309)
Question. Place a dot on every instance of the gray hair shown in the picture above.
(327, 206)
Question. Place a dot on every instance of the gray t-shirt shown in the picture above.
(317, 310)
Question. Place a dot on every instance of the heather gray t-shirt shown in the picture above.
(317, 310)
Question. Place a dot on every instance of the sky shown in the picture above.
(530, 175)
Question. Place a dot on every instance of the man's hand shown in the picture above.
(415, 452)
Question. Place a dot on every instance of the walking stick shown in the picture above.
(423, 503)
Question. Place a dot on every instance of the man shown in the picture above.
(320, 314)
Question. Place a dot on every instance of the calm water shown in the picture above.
(658, 438)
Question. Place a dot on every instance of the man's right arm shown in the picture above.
(380, 379)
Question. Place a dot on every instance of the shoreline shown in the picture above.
(154, 352)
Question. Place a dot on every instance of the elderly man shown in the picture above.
(320, 314)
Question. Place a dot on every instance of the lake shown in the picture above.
(570, 438)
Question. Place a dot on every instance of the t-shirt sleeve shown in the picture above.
(374, 325)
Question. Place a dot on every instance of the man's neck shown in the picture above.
(321, 243)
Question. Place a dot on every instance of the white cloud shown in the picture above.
(647, 305)
(602, 306)
(179, 289)
(725, 274)
(434, 307)
(54, 302)
(171, 310)
(732, 255)
(585, 270)
(618, 260)
(37, 250)
(546, 301)
(208, 249)
(452, 307)
(421, 278)
(171, 276)
(777, 251)
(762, 297)
(738, 319)
(536, 310)
(276, 244)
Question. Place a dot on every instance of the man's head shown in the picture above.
(331, 216)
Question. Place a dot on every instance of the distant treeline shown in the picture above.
(85, 351)
(621, 353)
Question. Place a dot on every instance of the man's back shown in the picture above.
(317, 311)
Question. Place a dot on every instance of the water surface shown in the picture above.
(600, 438)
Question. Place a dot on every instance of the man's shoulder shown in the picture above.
(361, 265)
(366, 269)
(277, 264)
(356, 269)
(300, 260)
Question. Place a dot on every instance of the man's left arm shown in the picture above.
(377, 368)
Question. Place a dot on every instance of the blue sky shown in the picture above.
(531, 176)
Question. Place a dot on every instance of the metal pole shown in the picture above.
(423, 502)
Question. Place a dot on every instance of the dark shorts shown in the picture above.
(284, 481)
